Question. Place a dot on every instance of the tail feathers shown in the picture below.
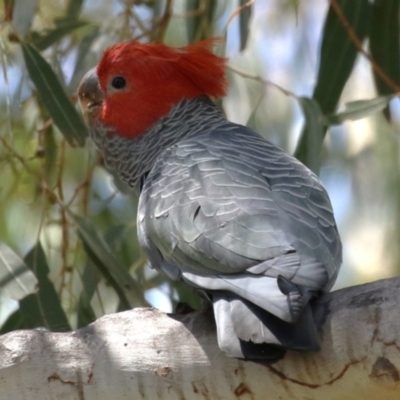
(252, 323)
(247, 331)
(230, 343)
(279, 296)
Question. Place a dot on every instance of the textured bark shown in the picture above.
(145, 354)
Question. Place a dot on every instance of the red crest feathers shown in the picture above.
(158, 77)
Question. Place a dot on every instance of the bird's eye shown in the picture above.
(118, 82)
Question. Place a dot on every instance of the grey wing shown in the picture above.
(230, 212)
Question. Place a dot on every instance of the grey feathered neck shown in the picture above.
(133, 158)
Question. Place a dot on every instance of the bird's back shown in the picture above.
(229, 212)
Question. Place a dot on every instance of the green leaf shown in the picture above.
(244, 19)
(384, 42)
(63, 27)
(187, 295)
(64, 114)
(43, 309)
(313, 135)
(16, 280)
(90, 279)
(358, 109)
(14, 321)
(193, 22)
(199, 26)
(128, 291)
(74, 8)
(23, 13)
(338, 52)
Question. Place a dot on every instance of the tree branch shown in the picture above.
(145, 354)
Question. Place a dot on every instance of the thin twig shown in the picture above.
(261, 80)
(64, 220)
(83, 185)
(17, 156)
(238, 11)
(162, 24)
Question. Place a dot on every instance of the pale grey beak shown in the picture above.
(90, 94)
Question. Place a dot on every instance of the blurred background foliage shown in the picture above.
(316, 77)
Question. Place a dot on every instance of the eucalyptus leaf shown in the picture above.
(384, 43)
(244, 24)
(16, 280)
(127, 289)
(338, 51)
(115, 239)
(23, 13)
(358, 109)
(50, 153)
(338, 55)
(64, 114)
(313, 134)
(63, 27)
(14, 321)
(90, 279)
(187, 295)
(43, 309)
(200, 25)
(74, 8)
(193, 22)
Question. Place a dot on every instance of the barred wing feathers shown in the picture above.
(234, 215)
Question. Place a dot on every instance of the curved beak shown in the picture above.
(90, 94)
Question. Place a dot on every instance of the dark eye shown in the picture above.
(118, 82)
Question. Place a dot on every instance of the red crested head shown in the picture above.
(143, 81)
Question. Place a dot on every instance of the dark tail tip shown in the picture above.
(265, 352)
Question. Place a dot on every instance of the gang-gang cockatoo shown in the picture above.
(220, 207)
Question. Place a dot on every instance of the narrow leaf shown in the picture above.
(43, 309)
(128, 291)
(186, 295)
(63, 27)
(313, 135)
(62, 111)
(23, 13)
(338, 51)
(193, 20)
(338, 54)
(200, 21)
(244, 20)
(14, 321)
(90, 279)
(358, 109)
(74, 8)
(50, 153)
(16, 280)
(384, 42)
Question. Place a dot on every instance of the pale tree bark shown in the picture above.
(145, 354)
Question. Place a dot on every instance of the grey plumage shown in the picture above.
(233, 215)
